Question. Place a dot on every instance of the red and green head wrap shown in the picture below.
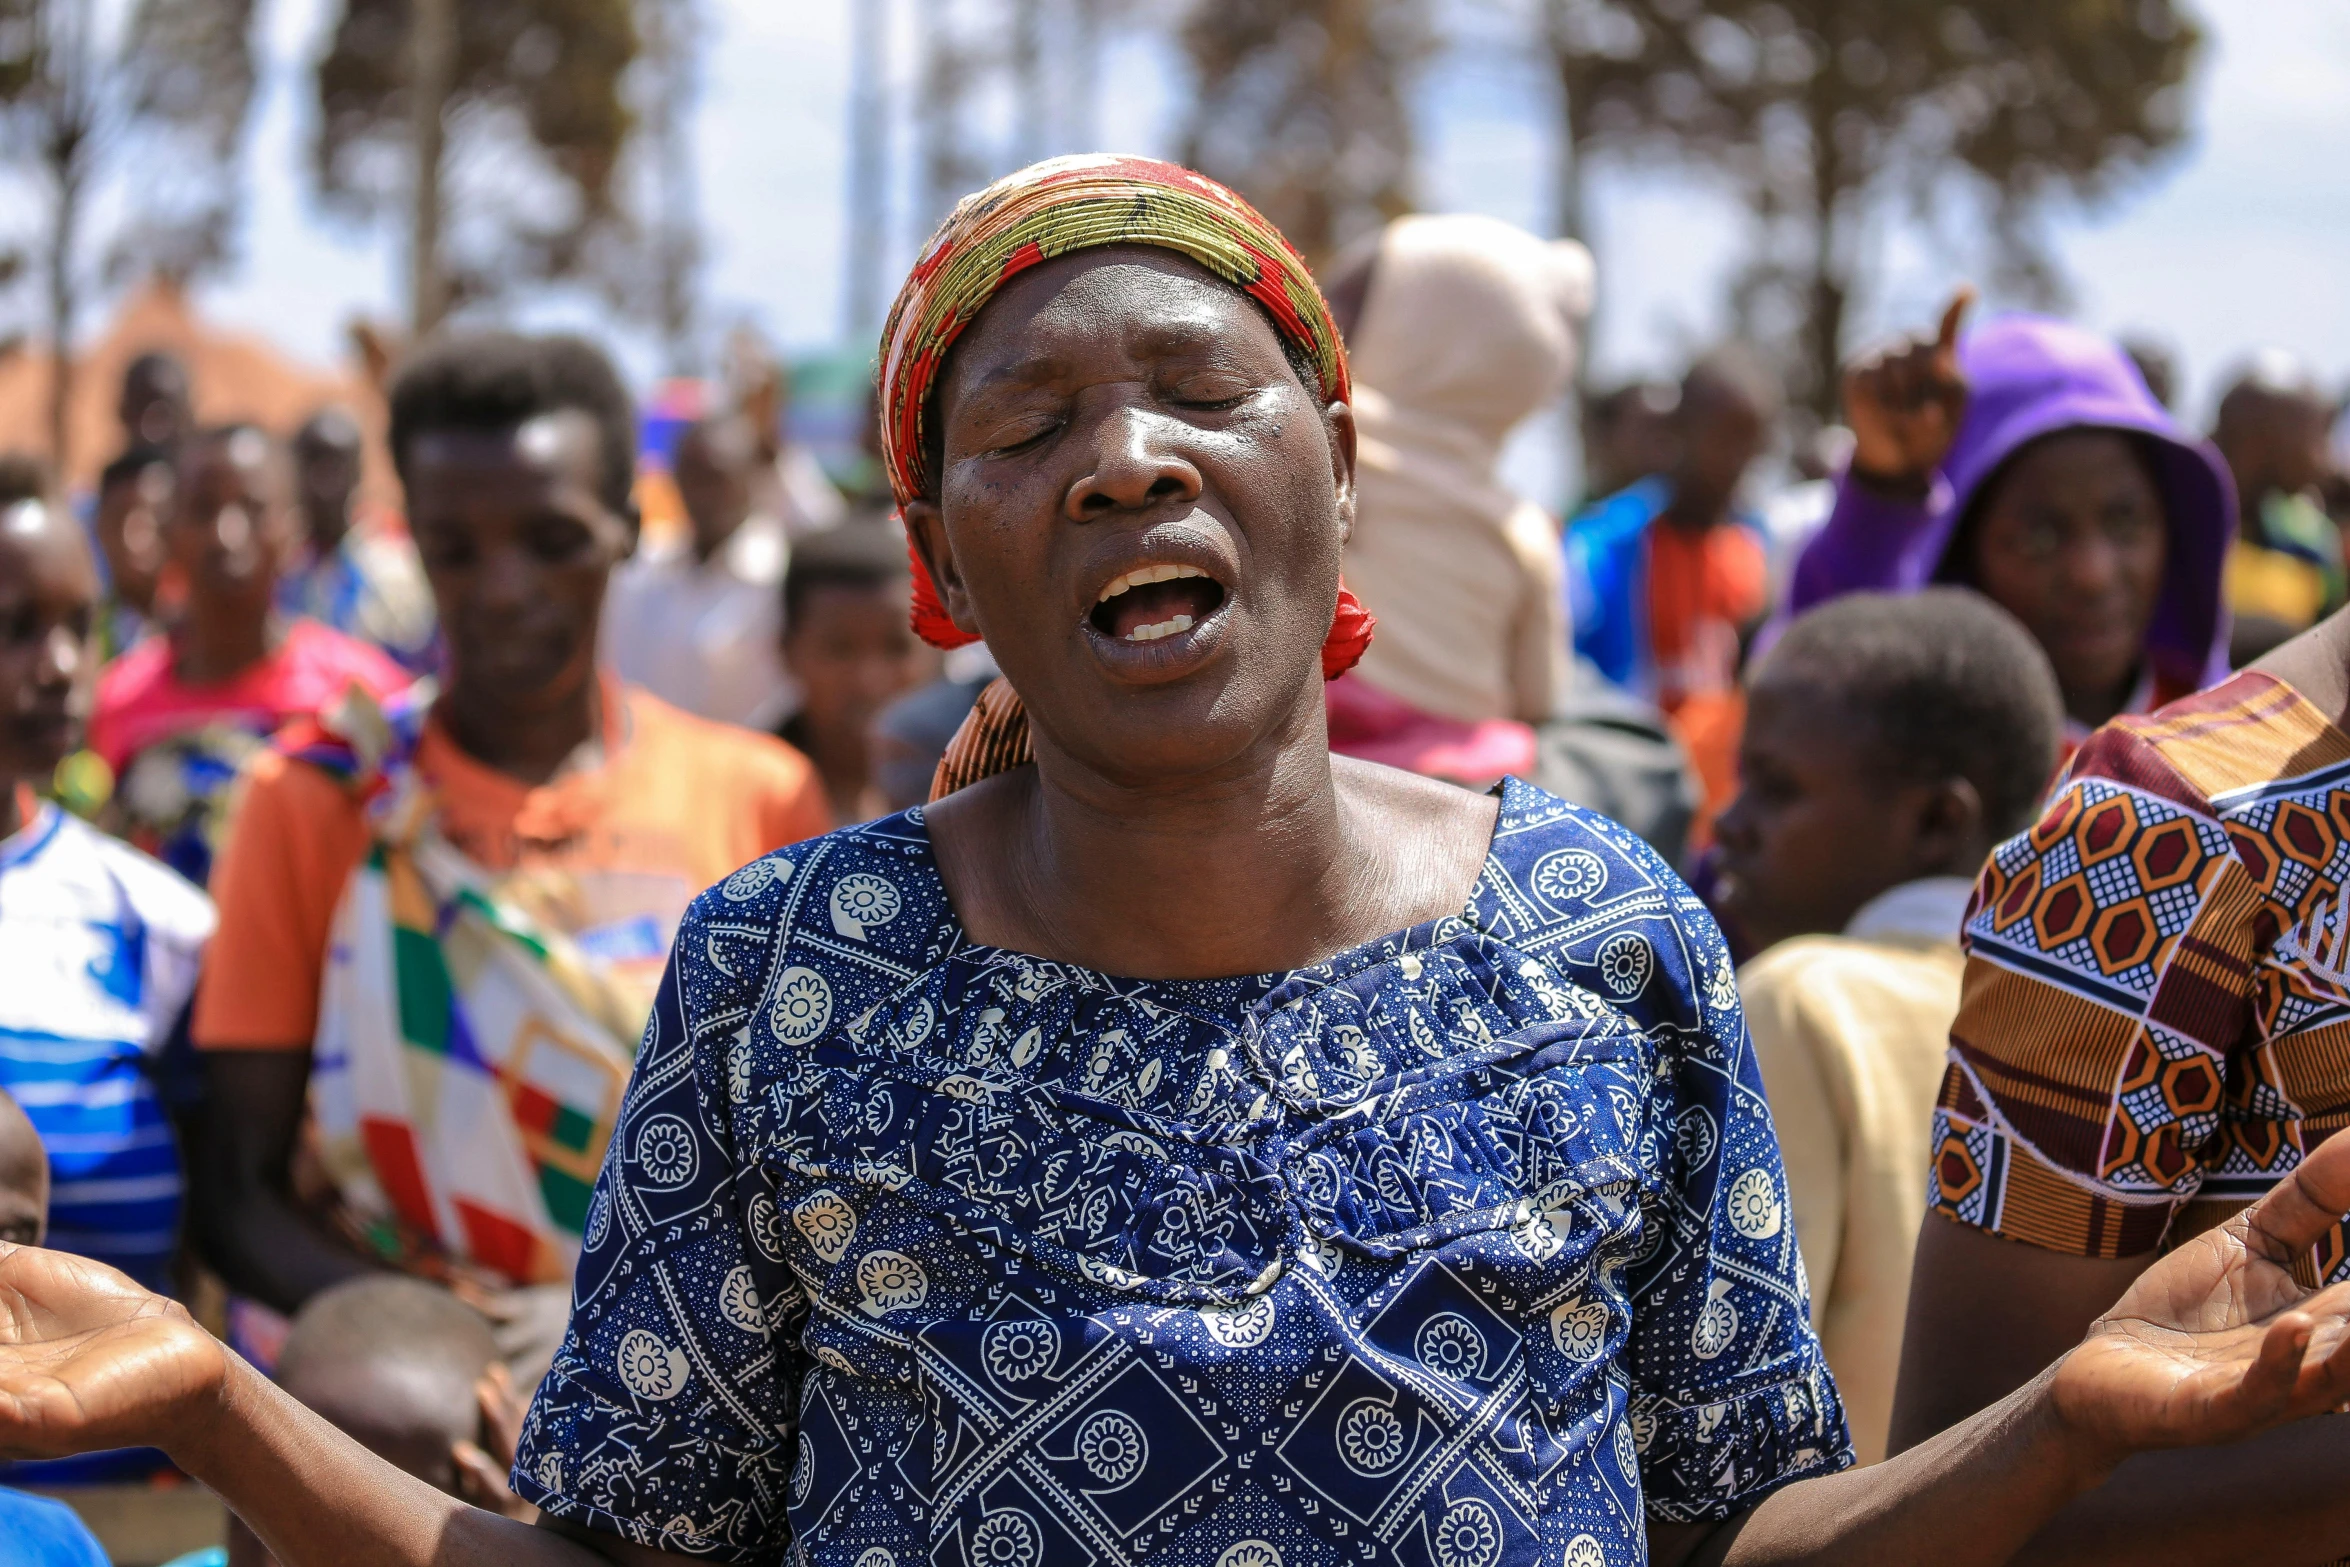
(1051, 209)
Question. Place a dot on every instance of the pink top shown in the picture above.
(142, 700)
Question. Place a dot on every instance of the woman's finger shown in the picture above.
(2270, 1382)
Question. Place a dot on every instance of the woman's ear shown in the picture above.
(1338, 420)
(926, 529)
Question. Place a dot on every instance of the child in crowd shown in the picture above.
(694, 620)
(412, 1374)
(364, 581)
(134, 497)
(99, 945)
(2032, 465)
(1668, 577)
(34, 1531)
(848, 644)
(1889, 743)
(2285, 569)
(466, 906)
(179, 713)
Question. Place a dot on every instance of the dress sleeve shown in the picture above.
(2111, 974)
(669, 1418)
(1729, 1392)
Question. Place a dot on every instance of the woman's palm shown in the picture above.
(90, 1360)
(2218, 1340)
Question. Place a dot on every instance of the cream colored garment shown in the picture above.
(1851, 1033)
(1469, 326)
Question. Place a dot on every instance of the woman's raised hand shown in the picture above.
(2217, 1341)
(1903, 403)
(89, 1360)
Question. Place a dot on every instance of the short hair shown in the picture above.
(25, 477)
(1738, 370)
(160, 367)
(855, 555)
(493, 382)
(388, 1319)
(333, 425)
(1944, 683)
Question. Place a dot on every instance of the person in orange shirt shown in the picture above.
(444, 916)
(1668, 578)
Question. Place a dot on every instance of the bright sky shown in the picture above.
(2238, 243)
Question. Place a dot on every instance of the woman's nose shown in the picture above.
(1134, 466)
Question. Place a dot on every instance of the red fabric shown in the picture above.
(141, 698)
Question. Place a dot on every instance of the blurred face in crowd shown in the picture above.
(326, 475)
(853, 653)
(2071, 540)
(1817, 829)
(48, 663)
(1629, 438)
(154, 405)
(131, 513)
(712, 467)
(518, 543)
(232, 523)
(1721, 433)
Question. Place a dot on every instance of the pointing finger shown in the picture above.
(1946, 340)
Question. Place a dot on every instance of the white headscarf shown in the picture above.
(1469, 325)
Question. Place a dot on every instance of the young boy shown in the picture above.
(1666, 579)
(134, 497)
(466, 907)
(848, 644)
(178, 713)
(99, 945)
(365, 581)
(34, 1531)
(412, 1374)
(693, 620)
(1889, 743)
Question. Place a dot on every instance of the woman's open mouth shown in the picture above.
(1153, 602)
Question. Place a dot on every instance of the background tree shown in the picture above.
(1827, 115)
(143, 125)
(516, 180)
(1303, 107)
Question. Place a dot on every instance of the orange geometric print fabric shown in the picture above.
(2156, 1015)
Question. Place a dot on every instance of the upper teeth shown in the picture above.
(1142, 574)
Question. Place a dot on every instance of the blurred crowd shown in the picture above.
(345, 834)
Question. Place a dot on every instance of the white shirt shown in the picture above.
(706, 637)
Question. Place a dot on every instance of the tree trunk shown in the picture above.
(64, 229)
(1828, 290)
(432, 62)
(868, 165)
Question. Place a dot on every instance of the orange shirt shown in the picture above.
(1704, 589)
(677, 804)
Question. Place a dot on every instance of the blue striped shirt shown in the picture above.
(99, 947)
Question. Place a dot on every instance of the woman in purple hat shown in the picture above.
(2032, 464)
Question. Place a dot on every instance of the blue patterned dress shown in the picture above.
(1467, 1247)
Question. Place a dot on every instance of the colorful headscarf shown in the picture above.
(1051, 209)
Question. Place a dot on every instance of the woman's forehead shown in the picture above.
(1112, 302)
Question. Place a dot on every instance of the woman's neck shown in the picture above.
(531, 744)
(1269, 864)
(216, 643)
